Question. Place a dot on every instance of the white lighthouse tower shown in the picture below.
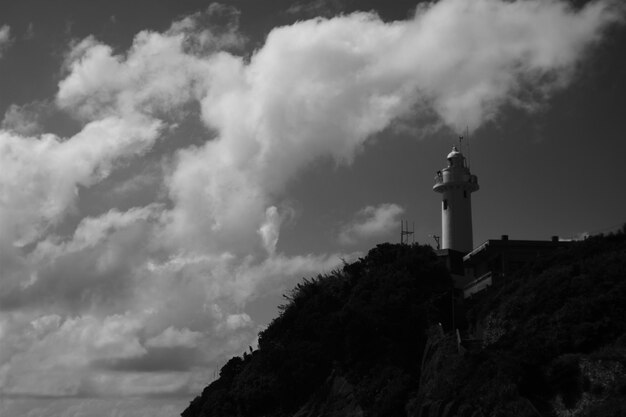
(456, 184)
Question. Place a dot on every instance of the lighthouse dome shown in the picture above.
(456, 158)
(455, 153)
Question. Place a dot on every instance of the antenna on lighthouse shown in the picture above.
(469, 155)
(461, 146)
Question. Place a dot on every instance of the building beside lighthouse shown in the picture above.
(476, 268)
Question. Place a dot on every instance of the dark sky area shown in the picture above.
(168, 169)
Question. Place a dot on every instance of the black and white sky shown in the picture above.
(168, 169)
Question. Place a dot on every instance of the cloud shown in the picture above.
(148, 178)
(308, 9)
(215, 29)
(91, 271)
(93, 305)
(5, 39)
(158, 75)
(371, 222)
(320, 88)
(270, 229)
(172, 337)
(55, 362)
(30, 31)
(54, 168)
(27, 120)
(95, 407)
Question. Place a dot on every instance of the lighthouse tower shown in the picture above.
(456, 184)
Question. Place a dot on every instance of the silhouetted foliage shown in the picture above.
(560, 324)
(554, 340)
(366, 320)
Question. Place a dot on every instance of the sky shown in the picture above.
(169, 169)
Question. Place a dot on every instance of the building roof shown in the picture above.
(492, 245)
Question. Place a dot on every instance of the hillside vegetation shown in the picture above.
(353, 342)
(554, 338)
(366, 322)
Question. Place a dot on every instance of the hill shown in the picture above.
(553, 340)
(368, 340)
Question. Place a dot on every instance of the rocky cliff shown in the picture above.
(374, 339)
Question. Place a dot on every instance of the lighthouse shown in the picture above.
(456, 185)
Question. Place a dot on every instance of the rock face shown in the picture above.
(436, 396)
(334, 399)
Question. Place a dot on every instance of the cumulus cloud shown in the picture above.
(92, 270)
(159, 74)
(270, 229)
(97, 305)
(308, 9)
(5, 38)
(59, 351)
(27, 120)
(102, 84)
(148, 178)
(215, 29)
(172, 337)
(371, 222)
(54, 168)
